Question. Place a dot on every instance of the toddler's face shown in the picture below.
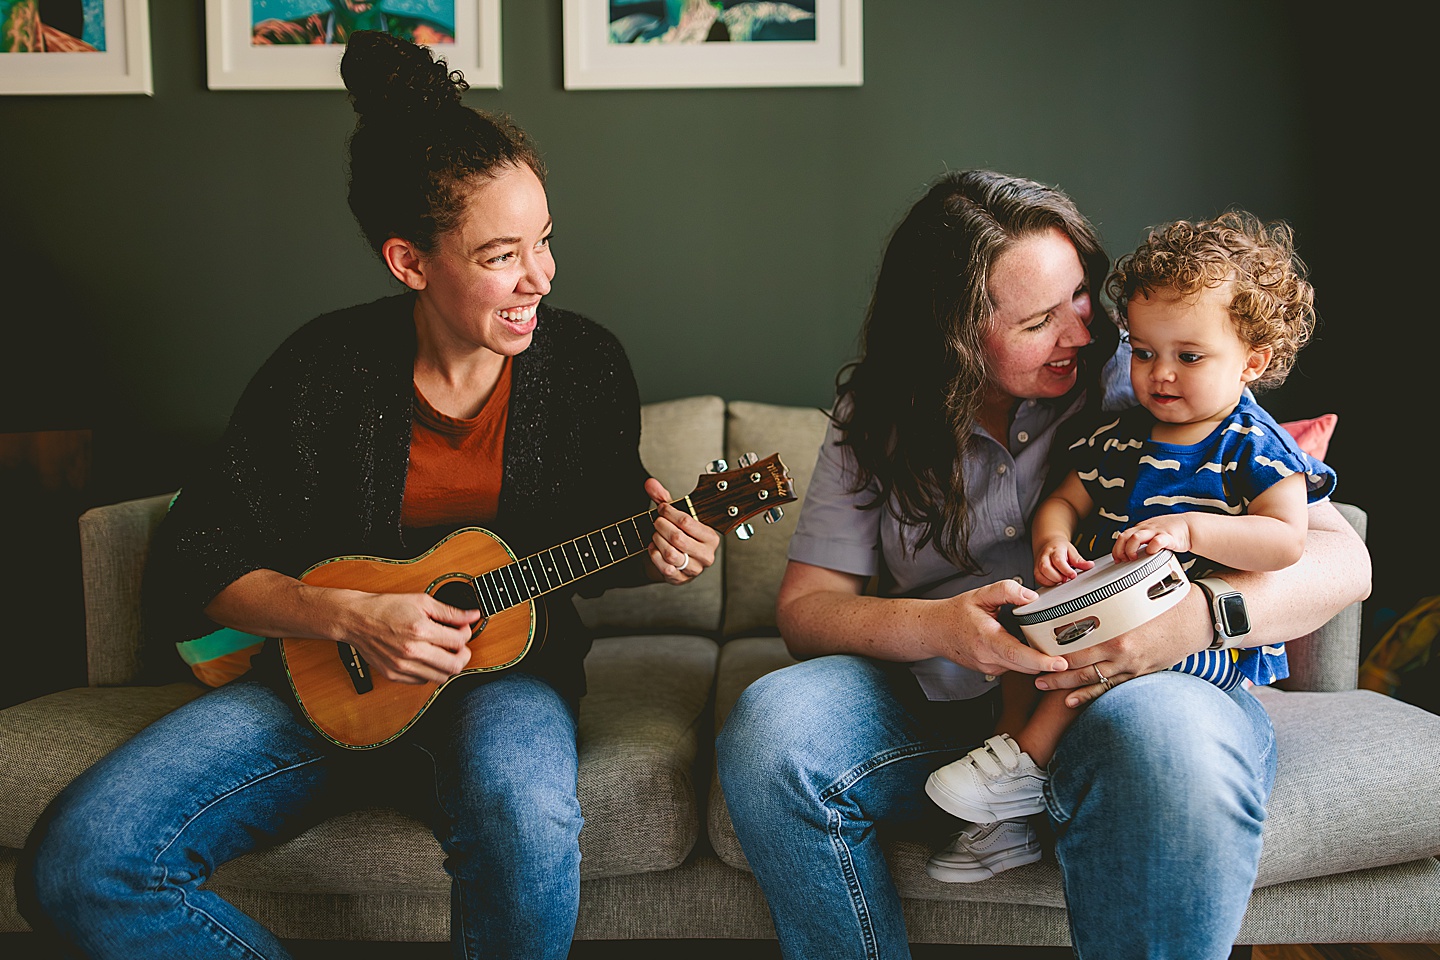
(1189, 365)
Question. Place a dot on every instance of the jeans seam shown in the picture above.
(852, 883)
(854, 774)
(835, 820)
(234, 937)
(185, 825)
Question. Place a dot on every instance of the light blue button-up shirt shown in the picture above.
(1004, 482)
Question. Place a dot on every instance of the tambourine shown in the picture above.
(1103, 602)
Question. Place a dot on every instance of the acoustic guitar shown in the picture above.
(472, 569)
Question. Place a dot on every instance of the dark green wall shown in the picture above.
(155, 249)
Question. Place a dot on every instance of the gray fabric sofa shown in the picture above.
(1350, 843)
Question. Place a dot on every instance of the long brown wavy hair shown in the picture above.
(908, 406)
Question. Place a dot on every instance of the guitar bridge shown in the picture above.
(356, 666)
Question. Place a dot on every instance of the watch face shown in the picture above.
(1234, 620)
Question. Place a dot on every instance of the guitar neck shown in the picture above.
(561, 565)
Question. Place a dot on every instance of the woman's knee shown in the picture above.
(74, 864)
(773, 717)
(1165, 743)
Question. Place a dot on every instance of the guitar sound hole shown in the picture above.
(458, 593)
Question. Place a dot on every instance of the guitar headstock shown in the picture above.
(725, 499)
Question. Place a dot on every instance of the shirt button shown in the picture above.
(990, 678)
(1010, 532)
(1002, 469)
(1022, 436)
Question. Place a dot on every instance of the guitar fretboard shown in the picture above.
(558, 566)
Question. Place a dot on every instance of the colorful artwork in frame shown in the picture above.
(613, 44)
(297, 44)
(74, 46)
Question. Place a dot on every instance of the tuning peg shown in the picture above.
(773, 514)
(717, 466)
(744, 531)
(748, 458)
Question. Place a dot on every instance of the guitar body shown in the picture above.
(354, 708)
(473, 569)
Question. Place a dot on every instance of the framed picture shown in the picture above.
(614, 44)
(75, 46)
(297, 44)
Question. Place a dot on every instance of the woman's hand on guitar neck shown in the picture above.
(408, 637)
(683, 546)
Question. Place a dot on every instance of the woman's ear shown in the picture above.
(404, 262)
(1255, 365)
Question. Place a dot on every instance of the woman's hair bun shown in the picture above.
(389, 76)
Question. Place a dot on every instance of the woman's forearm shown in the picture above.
(1333, 573)
(821, 611)
(270, 604)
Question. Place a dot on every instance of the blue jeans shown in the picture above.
(116, 866)
(1157, 799)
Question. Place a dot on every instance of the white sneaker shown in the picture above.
(983, 850)
(997, 781)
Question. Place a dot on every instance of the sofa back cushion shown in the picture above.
(753, 568)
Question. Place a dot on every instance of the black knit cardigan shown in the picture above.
(313, 463)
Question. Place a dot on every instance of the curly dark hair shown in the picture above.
(908, 406)
(1273, 304)
(417, 150)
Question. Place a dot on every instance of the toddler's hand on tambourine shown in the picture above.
(1149, 537)
(1057, 561)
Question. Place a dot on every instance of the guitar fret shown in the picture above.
(480, 596)
(571, 552)
(570, 569)
(518, 592)
(501, 589)
(605, 539)
(527, 566)
(486, 589)
(553, 577)
(588, 551)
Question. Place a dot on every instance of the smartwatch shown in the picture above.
(1227, 612)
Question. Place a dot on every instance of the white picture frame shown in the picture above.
(234, 63)
(593, 62)
(123, 66)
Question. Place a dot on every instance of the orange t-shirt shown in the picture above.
(456, 465)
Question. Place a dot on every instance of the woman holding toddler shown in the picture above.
(984, 343)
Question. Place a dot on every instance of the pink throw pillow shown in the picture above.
(1313, 435)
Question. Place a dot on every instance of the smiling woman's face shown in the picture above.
(485, 278)
(1042, 314)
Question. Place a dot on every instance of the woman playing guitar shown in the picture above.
(377, 430)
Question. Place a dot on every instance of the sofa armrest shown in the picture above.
(114, 542)
(1329, 658)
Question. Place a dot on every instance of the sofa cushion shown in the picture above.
(49, 741)
(753, 568)
(638, 739)
(1358, 774)
(1356, 787)
(639, 733)
(678, 438)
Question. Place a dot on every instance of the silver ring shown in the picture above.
(1104, 682)
(682, 566)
